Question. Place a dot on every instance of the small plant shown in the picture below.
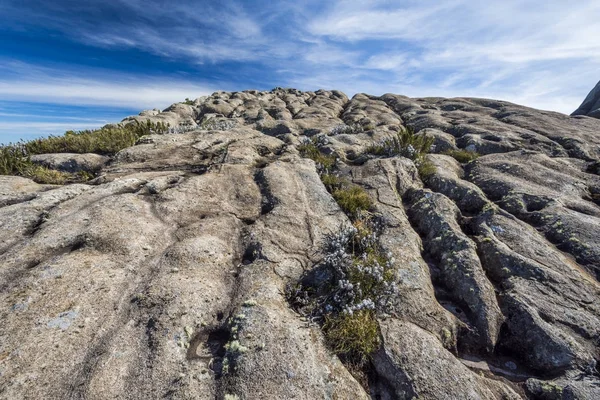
(46, 176)
(333, 182)
(346, 129)
(233, 348)
(217, 124)
(310, 149)
(405, 143)
(353, 199)
(462, 155)
(188, 102)
(355, 335)
(426, 169)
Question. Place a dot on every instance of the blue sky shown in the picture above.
(67, 64)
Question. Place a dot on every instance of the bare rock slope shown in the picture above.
(168, 276)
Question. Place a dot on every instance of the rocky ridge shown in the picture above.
(176, 260)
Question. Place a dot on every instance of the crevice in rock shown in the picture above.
(37, 225)
(18, 200)
(79, 385)
(268, 201)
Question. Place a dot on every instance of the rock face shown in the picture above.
(69, 162)
(166, 276)
(591, 104)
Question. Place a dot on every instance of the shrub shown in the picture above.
(352, 200)
(14, 160)
(188, 102)
(217, 124)
(355, 280)
(405, 143)
(310, 149)
(106, 140)
(463, 156)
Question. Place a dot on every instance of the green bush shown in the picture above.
(463, 156)
(13, 160)
(107, 140)
(405, 143)
(188, 102)
(333, 182)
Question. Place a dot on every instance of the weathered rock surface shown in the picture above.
(69, 162)
(132, 287)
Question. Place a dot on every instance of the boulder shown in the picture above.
(71, 162)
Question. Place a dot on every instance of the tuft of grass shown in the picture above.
(354, 336)
(333, 182)
(463, 156)
(352, 200)
(426, 169)
(405, 143)
(188, 101)
(310, 149)
(44, 175)
(106, 140)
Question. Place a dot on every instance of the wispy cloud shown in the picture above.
(24, 82)
(542, 55)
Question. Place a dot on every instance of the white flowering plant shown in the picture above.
(354, 281)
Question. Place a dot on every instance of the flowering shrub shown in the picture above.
(179, 129)
(354, 281)
(347, 129)
(217, 124)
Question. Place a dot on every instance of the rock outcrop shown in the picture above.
(591, 104)
(168, 275)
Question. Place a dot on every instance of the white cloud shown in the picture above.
(28, 83)
(543, 55)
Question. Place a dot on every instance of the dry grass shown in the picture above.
(353, 335)
(426, 169)
(463, 156)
